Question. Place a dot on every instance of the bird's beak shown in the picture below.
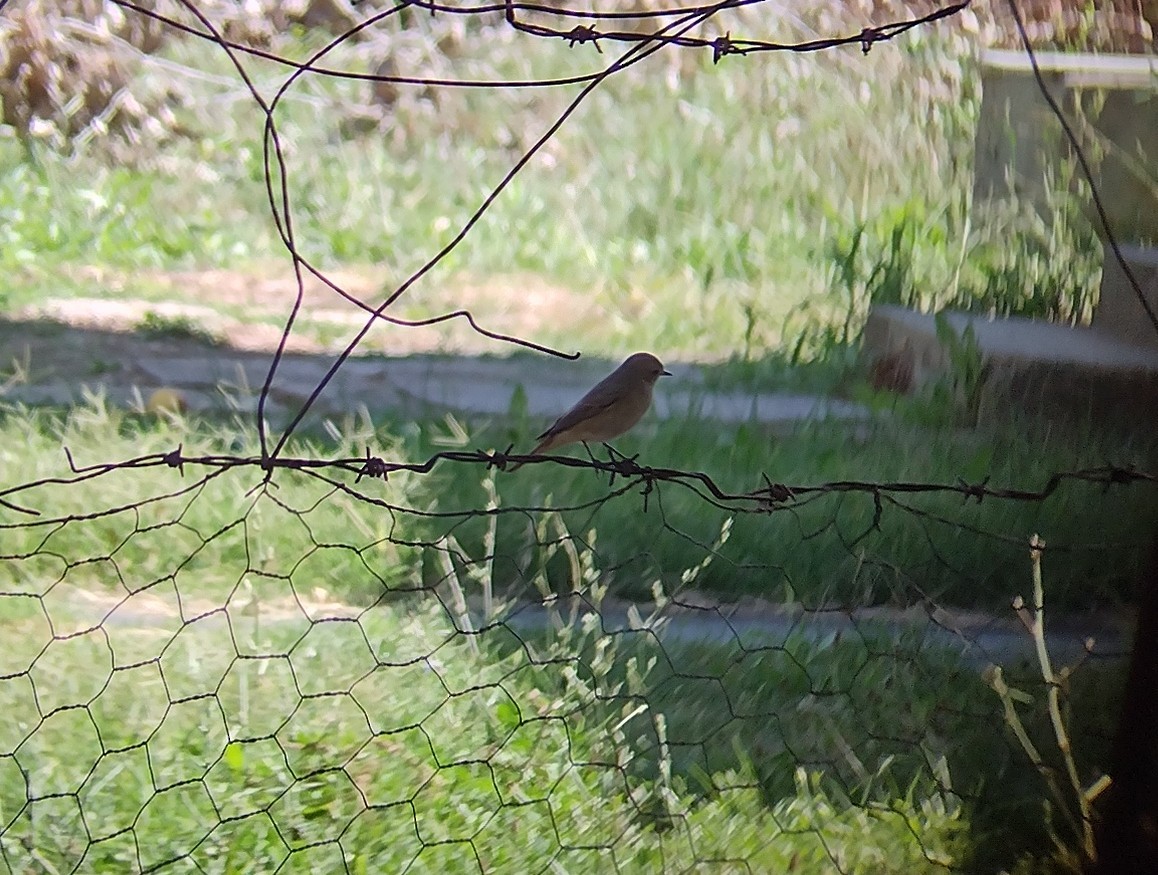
(665, 373)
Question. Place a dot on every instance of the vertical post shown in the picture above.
(1127, 835)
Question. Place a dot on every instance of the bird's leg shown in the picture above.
(613, 453)
(595, 461)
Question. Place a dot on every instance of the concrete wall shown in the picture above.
(1119, 312)
(1020, 144)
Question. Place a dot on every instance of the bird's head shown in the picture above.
(645, 367)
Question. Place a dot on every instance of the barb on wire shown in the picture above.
(720, 46)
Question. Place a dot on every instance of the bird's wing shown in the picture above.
(601, 396)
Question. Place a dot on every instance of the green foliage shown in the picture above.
(925, 546)
(158, 326)
(1006, 261)
(217, 533)
(1042, 265)
(220, 707)
(967, 371)
(882, 261)
(708, 219)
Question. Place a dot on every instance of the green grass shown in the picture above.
(926, 546)
(390, 741)
(677, 214)
(682, 225)
(183, 684)
(194, 658)
(222, 531)
(190, 657)
(702, 211)
(739, 210)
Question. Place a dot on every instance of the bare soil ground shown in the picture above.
(247, 310)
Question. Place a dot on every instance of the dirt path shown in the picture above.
(247, 309)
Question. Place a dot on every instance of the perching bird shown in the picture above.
(615, 404)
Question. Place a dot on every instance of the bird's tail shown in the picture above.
(544, 444)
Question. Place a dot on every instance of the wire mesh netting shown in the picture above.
(258, 645)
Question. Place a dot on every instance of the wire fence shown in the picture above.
(237, 653)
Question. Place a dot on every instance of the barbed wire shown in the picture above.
(771, 496)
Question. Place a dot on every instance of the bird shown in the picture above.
(612, 407)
